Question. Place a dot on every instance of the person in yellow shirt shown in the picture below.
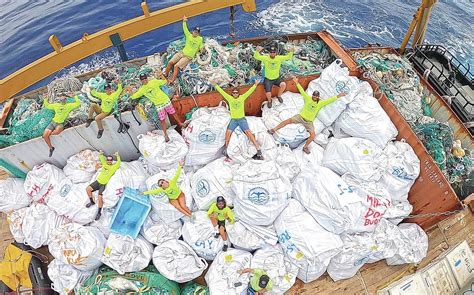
(108, 170)
(173, 192)
(108, 100)
(194, 43)
(219, 213)
(260, 282)
(61, 113)
(151, 89)
(306, 117)
(272, 65)
(236, 104)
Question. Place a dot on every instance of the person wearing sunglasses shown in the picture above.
(194, 43)
(171, 189)
(218, 213)
(108, 170)
(307, 115)
(272, 64)
(236, 103)
(151, 89)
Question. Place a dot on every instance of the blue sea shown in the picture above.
(26, 25)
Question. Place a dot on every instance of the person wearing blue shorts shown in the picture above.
(236, 104)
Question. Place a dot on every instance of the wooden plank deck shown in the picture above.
(442, 236)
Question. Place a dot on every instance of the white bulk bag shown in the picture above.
(15, 222)
(333, 80)
(130, 174)
(278, 267)
(81, 166)
(398, 211)
(402, 171)
(385, 236)
(250, 237)
(412, 245)
(78, 245)
(199, 233)
(223, 276)
(308, 161)
(287, 163)
(177, 261)
(38, 224)
(211, 181)
(125, 254)
(103, 224)
(359, 157)
(241, 149)
(165, 155)
(160, 202)
(73, 204)
(365, 118)
(45, 180)
(205, 135)
(13, 195)
(65, 278)
(305, 242)
(155, 231)
(261, 192)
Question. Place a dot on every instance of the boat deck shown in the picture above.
(442, 236)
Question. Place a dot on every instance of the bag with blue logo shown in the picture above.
(305, 242)
(211, 181)
(333, 80)
(205, 135)
(199, 234)
(45, 180)
(262, 192)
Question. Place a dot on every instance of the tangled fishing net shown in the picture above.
(401, 84)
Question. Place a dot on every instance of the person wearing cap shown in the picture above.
(194, 43)
(108, 170)
(218, 213)
(61, 113)
(306, 117)
(151, 89)
(108, 100)
(172, 191)
(236, 104)
(260, 282)
(272, 64)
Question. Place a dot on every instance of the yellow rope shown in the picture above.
(408, 270)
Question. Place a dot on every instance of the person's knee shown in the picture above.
(283, 85)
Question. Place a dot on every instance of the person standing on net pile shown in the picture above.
(218, 213)
(260, 282)
(236, 104)
(151, 89)
(306, 117)
(272, 65)
(61, 112)
(173, 192)
(108, 170)
(108, 100)
(194, 43)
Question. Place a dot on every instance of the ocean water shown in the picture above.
(26, 25)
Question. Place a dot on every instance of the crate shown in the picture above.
(409, 285)
(461, 262)
(439, 279)
(130, 214)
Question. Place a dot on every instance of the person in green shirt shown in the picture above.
(260, 282)
(173, 192)
(108, 170)
(306, 117)
(218, 213)
(194, 43)
(151, 89)
(108, 100)
(61, 112)
(272, 64)
(236, 104)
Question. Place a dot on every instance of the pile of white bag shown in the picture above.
(125, 254)
(156, 231)
(199, 234)
(45, 180)
(261, 192)
(159, 154)
(13, 195)
(65, 277)
(82, 166)
(250, 237)
(205, 135)
(177, 261)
